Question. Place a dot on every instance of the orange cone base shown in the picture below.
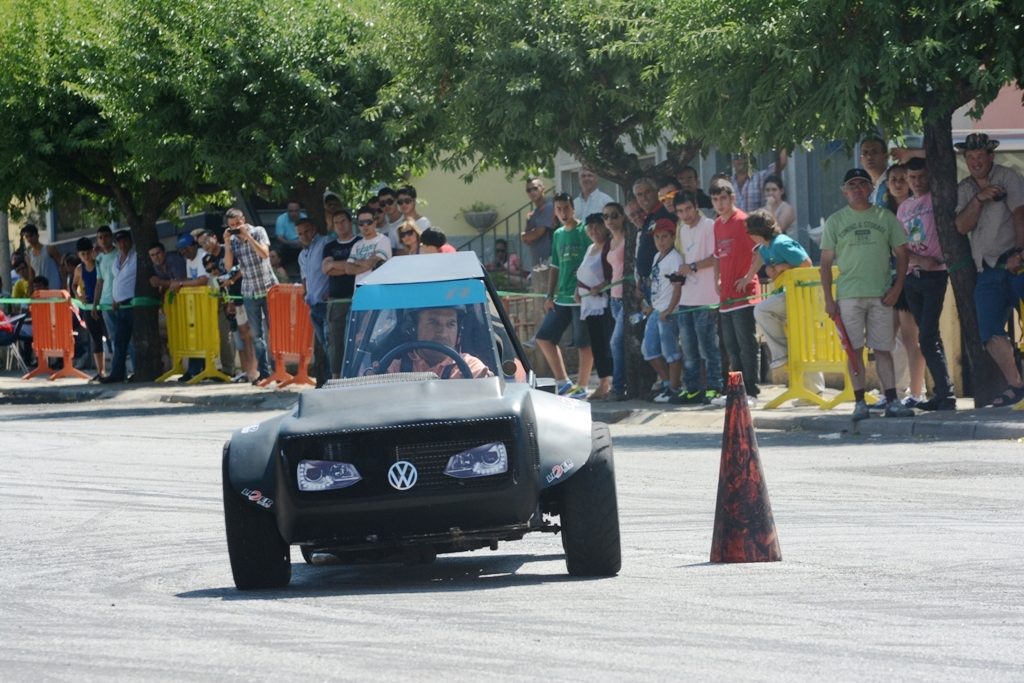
(69, 370)
(744, 526)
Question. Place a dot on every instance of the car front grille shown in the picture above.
(428, 446)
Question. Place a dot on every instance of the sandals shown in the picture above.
(1015, 395)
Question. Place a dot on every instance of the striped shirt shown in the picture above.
(257, 274)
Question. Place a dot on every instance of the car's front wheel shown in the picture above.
(589, 512)
(260, 558)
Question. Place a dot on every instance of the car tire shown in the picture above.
(260, 558)
(589, 512)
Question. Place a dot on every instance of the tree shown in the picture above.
(506, 85)
(758, 74)
(146, 103)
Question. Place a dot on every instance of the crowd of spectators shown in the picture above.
(700, 260)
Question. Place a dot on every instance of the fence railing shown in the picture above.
(508, 229)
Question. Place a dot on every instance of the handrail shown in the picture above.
(509, 229)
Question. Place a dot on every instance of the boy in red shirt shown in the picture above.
(735, 251)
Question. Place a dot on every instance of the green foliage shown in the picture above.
(146, 102)
(760, 74)
(508, 84)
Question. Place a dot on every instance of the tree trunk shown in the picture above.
(981, 375)
(149, 347)
(639, 374)
(312, 198)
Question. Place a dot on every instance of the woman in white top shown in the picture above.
(775, 202)
(592, 280)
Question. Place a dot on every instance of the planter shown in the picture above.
(481, 220)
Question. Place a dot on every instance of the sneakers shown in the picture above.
(666, 395)
(880, 404)
(721, 400)
(688, 398)
(897, 410)
(936, 403)
(564, 388)
(913, 401)
(577, 392)
(860, 411)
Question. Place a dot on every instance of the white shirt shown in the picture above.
(661, 288)
(592, 204)
(124, 276)
(365, 248)
(696, 244)
(194, 266)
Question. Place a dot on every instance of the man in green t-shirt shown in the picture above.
(568, 246)
(860, 239)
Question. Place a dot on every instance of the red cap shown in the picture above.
(664, 224)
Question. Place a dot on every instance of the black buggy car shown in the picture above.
(438, 439)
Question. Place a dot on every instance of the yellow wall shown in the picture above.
(441, 195)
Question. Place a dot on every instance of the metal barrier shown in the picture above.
(52, 334)
(814, 344)
(291, 334)
(192, 332)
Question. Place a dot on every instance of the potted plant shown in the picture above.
(480, 215)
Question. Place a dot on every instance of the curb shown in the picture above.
(907, 427)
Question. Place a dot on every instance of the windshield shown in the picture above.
(421, 339)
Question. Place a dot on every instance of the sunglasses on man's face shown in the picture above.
(387, 202)
(364, 221)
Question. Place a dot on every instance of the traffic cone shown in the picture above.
(744, 526)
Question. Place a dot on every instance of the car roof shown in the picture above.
(462, 265)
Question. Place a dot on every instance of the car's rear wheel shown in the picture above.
(260, 558)
(589, 512)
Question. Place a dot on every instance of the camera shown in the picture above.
(999, 197)
(676, 278)
(234, 231)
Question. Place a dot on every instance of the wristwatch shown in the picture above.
(693, 267)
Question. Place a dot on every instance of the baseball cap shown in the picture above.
(856, 174)
(664, 225)
(186, 240)
(123, 235)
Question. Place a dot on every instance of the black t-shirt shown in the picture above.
(340, 286)
(645, 249)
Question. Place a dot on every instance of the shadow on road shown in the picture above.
(445, 575)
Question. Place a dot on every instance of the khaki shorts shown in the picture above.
(868, 317)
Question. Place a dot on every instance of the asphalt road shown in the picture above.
(902, 560)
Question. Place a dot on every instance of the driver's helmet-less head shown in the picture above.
(412, 329)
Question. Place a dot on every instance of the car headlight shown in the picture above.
(326, 475)
(482, 461)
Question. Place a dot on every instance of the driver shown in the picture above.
(439, 325)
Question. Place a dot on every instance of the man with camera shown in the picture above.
(249, 247)
(990, 211)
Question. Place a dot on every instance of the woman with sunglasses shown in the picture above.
(409, 237)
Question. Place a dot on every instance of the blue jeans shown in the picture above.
(993, 298)
(698, 334)
(123, 319)
(256, 312)
(618, 349)
(318, 317)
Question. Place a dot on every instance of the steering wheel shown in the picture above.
(408, 346)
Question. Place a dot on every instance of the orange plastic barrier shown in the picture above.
(291, 334)
(52, 334)
(814, 344)
(192, 332)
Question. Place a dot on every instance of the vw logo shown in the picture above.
(402, 475)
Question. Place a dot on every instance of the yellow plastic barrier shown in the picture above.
(192, 332)
(813, 340)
